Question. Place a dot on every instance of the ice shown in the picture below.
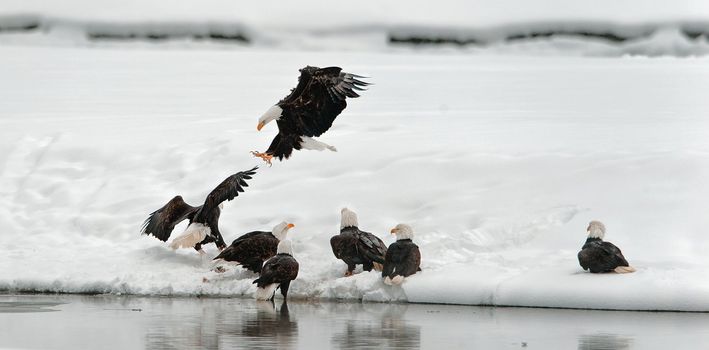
(497, 162)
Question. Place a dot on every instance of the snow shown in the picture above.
(497, 162)
(575, 27)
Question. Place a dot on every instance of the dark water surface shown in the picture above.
(118, 322)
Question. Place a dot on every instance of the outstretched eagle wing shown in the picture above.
(161, 222)
(228, 189)
(319, 98)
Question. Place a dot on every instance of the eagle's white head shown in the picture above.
(273, 113)
(403, 231)
(281, 230)
(596, 229)
(349, 218)
(285, 247)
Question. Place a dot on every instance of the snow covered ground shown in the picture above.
(497, 162)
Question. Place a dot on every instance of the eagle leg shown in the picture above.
(348, 273)
(265, 156)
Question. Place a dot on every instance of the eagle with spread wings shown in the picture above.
(203, 220)
(309, 110)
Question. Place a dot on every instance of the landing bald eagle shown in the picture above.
(403, 257)
(277, 272)
(599, 256)
(204, 219)
(355, 247)
(253, 248)
(309, 110)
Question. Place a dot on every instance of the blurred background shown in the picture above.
(572, 27)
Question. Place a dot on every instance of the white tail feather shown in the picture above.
(397, 280)
(194, 234)
(315, 145)
(624, 269)
(266, 293)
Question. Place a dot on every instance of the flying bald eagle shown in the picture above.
(403, 257)
(599, 256)
(277, 272)
(203, 220)
(309, 110)
(253, 248)
(357, 247)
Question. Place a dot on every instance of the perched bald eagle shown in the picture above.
(403, 257)
(277, 272)
(599, 256)
(309, 110)
(357, 247)
(204, 219)
(253, 248)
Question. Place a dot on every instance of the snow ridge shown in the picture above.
(588, 38)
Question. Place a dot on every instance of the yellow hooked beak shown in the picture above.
(260, 126)
(291, 225)
(394, 231)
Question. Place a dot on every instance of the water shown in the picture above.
(118, 322)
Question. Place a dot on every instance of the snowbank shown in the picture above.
(606, 28)
(498, 163)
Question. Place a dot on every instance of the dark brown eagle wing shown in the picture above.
(319, 98)
(161, 222)
(614, 252)
(228, 189)
(372, 247)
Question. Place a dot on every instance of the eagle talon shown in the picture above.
(265, 156)
(348, 273)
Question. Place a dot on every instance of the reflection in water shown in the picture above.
(388, 330)
(110, 322)
(268, 327)
(253, 325)
(27, 306)
(183, 329)
(604, 341)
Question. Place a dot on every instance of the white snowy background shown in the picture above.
(498, 157)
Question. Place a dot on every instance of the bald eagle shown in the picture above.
(253, 248)
(277, 272)
(357, 247)
(599, 256)
(309, 110)
(403, 257)
(203, 220)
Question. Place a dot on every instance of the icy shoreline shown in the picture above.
(587, 38)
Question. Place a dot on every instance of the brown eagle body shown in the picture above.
(403, 258)
(279, 270)
(355, 247)
(599, 256)
(251, 250)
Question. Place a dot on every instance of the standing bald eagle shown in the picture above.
(253, 248)
(599, 256)
(403, 257)
(309, 110)
(277, 272)
(204, 219)
(357, 247)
